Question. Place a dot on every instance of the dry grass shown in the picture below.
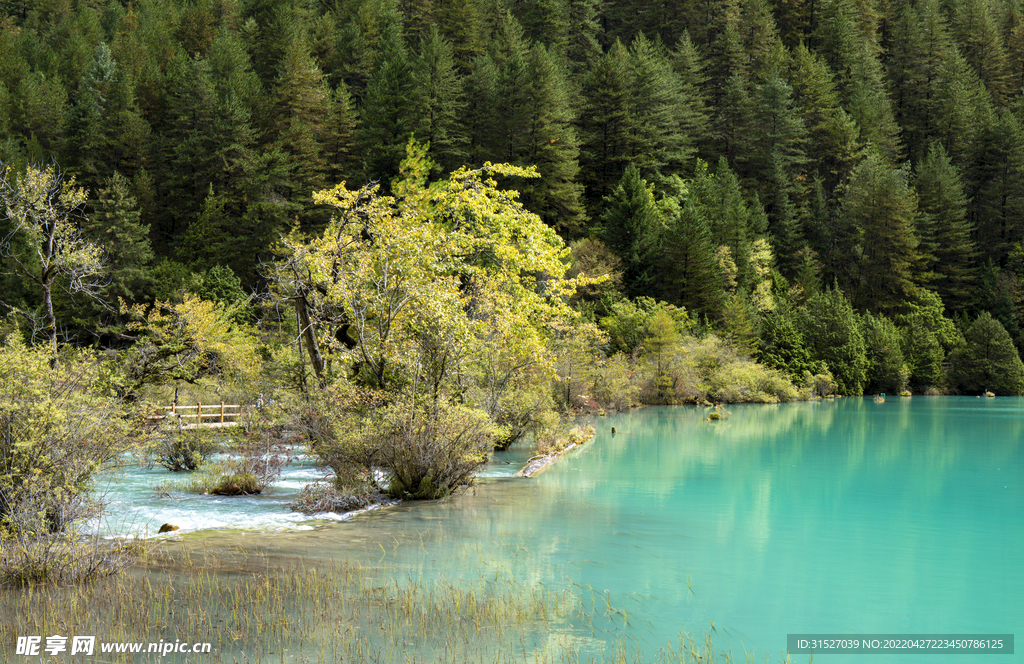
(255, 609)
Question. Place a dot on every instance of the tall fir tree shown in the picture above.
(389, 113)
(987, 360)
(631, 227)
(886, 369)
(689, 65)
(340, 146)
(665, 117)
(963, 108)
(995, 187)
(441, 95)
(832, 331)
(115, 225)
(881, 204)
(551, 145)
(949, 252)
(582, 48)
(209, 141)
(830, 130)
(780, 161)
(691, 274)
(920, 43)
(721, 200)
(981, 42)
(606, 129)
(302, 105)
(848, 44)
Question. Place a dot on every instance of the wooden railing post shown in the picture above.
(199, 413)
(222, 412)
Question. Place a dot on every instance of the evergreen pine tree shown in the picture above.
(738, 323)
(689, 65)
(209, 141)
(987, 360)
(389, 112)
(759, 39)
(631, 227)
(948, 249)
(115, 226)
(922, 353)
(850, 50)
(482, 90)
(886, 369)
(779, 161)
(721, 200)
(551, 145)
(830, 130)
(963, 108)
(441, 95)
(582, 48)
(995, 187)
(881, 205)
(734, 135)
(607, 128)
(832, 331)
(340, 145)
(690, 272)
(664, 117)
(272, 24)
(209, 239)
(920, 44)
(781, 345)
(980, 40)
(302, 105)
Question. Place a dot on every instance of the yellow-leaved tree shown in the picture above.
(185, 341)
(43, 240)
(441, 297)
(407, 286)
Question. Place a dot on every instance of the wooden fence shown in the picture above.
(205, 416)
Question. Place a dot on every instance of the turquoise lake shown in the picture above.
(831, 517)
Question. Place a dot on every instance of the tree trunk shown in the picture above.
(51, 321)
(308, 335)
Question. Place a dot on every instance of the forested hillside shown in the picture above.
(837, 182)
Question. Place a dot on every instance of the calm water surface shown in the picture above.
(826, 517)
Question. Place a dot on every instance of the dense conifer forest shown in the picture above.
(832, 188)
(405, 233)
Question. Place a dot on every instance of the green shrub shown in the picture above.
(62, 559)
(832, 331)
(615, 384)
(427, 449)
(187, 451)
(237, 484)
(56, 430)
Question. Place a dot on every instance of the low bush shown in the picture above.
(61, 559)
(237, 484)
(563, 438)
(696, 370)
(339, 496)
(186, 451)
(426, 448)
